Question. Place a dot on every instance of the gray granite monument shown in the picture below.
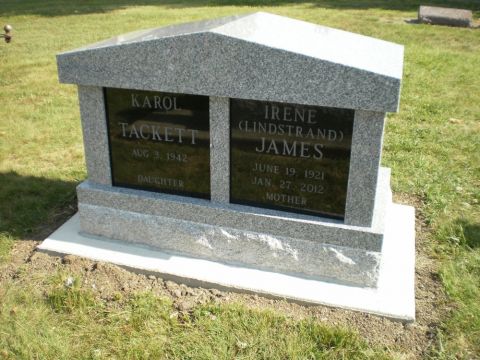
(435, 15)
(252, 140)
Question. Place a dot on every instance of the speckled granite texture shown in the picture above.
(220, 149)
(95, 138)
(383, 199)
(240, 57)
(365, 159)
(276, 223)
(261, 57)
(229, 245)
(273, 240)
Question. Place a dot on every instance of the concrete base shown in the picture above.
(394, 297)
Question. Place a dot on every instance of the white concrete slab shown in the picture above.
(394, 297)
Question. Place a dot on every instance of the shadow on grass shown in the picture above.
(66, 7)
(31, 206)
(471, 233)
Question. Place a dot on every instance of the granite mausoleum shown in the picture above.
(252, 140)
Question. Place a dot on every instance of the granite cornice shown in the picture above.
(240, 69)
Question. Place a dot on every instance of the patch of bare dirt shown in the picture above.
(112, 283)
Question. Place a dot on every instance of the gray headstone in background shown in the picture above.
(444, 16)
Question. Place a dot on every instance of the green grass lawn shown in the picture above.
(432, 146)
(70, 324)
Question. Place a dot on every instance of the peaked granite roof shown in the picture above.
(255, 56)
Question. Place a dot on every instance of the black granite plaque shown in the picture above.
(159, 141)
(290, 157)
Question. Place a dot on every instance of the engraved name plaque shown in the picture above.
(159, 141)
(290, 157)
